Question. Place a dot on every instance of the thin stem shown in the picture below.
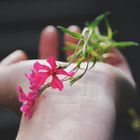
(44, 87)
(87, 38)
(74, 52)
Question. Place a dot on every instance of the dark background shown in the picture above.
(21, 22)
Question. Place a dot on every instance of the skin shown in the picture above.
(85, 111)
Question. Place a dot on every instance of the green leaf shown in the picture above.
(98, 19)
(99, 36)
(63, 66)
(70, 46)
(109, 30)
(124, 44)
(92, 46)
(80, 60)
(76, 78)
(93, 62)
(73, 34)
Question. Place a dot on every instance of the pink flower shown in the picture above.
(36, 79)
(27, 101)
(52, 70)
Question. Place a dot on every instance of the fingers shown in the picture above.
(68, 38)
(48, 43)
(116, 58)
(14, 57)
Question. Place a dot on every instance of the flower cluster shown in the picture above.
(28, 101)
(38, 79)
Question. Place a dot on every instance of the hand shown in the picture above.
(8, 98)
(84, 111)
(12, 70)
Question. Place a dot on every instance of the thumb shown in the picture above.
(14, 57)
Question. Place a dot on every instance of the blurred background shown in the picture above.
(21, 22)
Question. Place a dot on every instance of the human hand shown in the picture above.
(84, 111)
(12, 71)
(9, 98)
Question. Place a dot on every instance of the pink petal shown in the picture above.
(40, 77)
(71, 73)
(25, 108)
(32, 95)
(63, 72)
(30, 76)
(56, 83)
(37, 79)
(51, 60)
(22, 96)
(37, 66)
(35, 86)
(20, 90)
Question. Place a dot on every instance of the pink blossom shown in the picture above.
(37, 78)
(27, 101)
(51, 70)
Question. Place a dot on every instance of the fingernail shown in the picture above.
(74, 28)
(49, 43)
(49, 28)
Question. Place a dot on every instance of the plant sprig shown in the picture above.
(92, 43)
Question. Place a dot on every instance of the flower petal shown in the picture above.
(51, 60)
(56, 83)
(22, 96)
(32, 96)
(71, 73)
(40, 77)
(37, 79)
(37, 66)
(25, 108)
(63, 72)
(35, 86)
(30, 76)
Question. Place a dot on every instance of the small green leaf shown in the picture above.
(109, 30)
(93, 45)
(79, 61)
(72, 81)
(70, 46)
(93, 53)
(63, 66)
(93, 62)
(99, 19)
(124, 44)
(98, 35)
(73, 34)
